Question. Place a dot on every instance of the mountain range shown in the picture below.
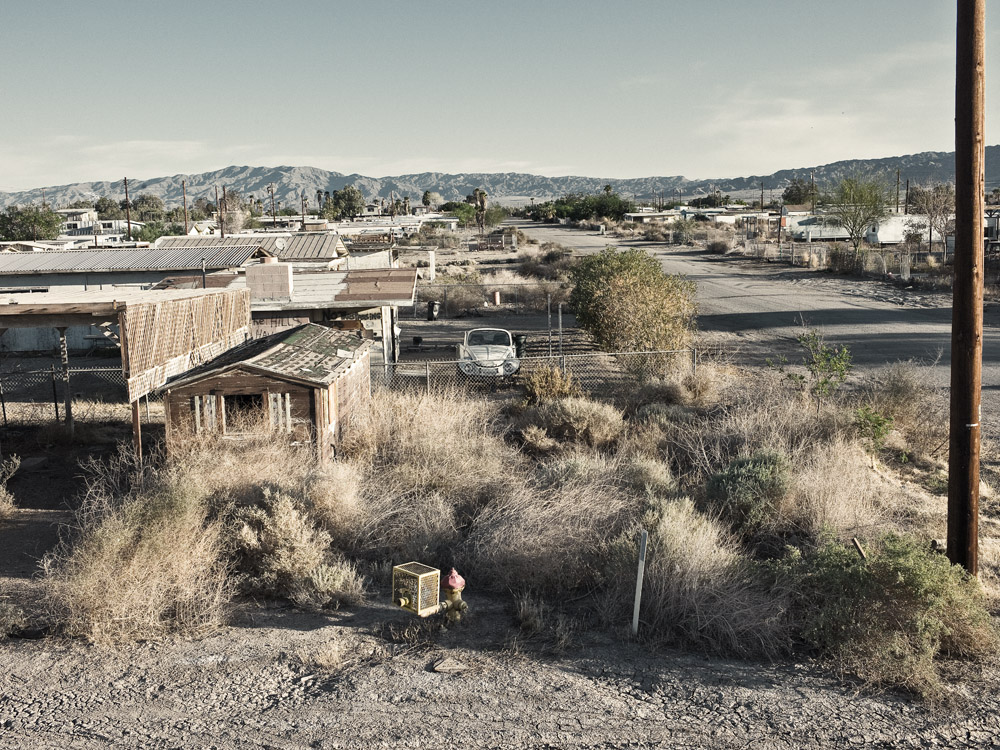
(505, 188)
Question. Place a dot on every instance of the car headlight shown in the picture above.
(510, 366)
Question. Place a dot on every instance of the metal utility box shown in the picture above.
(415, 588)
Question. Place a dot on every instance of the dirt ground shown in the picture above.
(365, 678)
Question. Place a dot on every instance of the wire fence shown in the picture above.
(455, 300)
(33, 397)
(605, 375)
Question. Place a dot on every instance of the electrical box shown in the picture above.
(415, 588)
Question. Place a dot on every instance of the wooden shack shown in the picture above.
(305, 381)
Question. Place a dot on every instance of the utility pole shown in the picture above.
(967, 303)
(303, 228)
(274, 214)
(897, 191)
(762, 197)
(218, 210)
(812, 190)
(128, 210)
(223, 208)
(185, 194)
(906, 204)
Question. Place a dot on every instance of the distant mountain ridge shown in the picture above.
(291, 182)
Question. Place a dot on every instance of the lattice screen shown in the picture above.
(163, 339)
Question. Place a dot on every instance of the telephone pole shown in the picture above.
(967, 304)
(897, 191)
(185, 194)
(128, 211)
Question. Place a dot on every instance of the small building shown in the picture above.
(306, 382)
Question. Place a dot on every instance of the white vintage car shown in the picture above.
(488, 353)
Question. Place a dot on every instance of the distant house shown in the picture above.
(305, 382)
(893, 230)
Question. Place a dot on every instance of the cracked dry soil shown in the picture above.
(280, 678)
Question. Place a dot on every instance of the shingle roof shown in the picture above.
(310, 353)
(145, 259)
(305, 246)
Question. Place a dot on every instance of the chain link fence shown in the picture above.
(604, 375)
(33, 397)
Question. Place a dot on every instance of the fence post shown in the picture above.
(3, 404)
(446, 302)
(548, 309)
(427, 371)
(638, 582)
(55, 393)
(694, 361)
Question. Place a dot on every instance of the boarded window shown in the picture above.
(280, 408)
(204, 413)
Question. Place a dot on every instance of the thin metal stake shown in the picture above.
(548, 308)
(638, 582)
(427, 371)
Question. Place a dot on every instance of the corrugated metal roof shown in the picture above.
(147, 259)
(311, 353)
(304, 246)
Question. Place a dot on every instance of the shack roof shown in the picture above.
(310, 354)
(145, 259)
(308, 246)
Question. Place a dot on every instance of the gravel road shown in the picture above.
(258, 684)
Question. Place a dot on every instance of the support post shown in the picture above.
(427, 375)
(67, 394)
(967, 305)
(548, 310)
(55, 393)
(137, 430)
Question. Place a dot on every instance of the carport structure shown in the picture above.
(160, 333)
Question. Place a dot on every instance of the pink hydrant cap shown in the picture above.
(454, 581)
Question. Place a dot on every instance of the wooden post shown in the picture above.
(136, 430)
(67, 395)
(967, 305)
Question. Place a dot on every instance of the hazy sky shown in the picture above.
(108, 88)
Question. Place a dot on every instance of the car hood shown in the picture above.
(489, 353)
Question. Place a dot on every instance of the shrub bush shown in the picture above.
(699, 590)
(718, 246)
(748, 492)
(886, 618)
(550, 382)
(577, 420)
(8, 468)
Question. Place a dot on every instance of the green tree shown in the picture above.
(148, 207)
(464, 212)
(856, 202)
(29, 223)
(431, 198)
(344, 204)
(495, 216)
(799, 192)
(107, 209)
(80, 204)
(628, 303)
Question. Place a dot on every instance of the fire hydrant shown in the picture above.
(453, 606)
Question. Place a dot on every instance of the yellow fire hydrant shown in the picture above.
(453, 606)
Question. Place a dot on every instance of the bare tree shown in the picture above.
(937, 203)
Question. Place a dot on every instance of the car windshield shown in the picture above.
(491, 338)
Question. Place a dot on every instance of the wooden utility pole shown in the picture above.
(184, 192)
(906, 203)
(762, 197)
(897, 191)
(967, 304)
(128, 211)
(222, 211)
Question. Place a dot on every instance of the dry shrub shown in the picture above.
(699, 590)
(718, 246)
(577, 421)
(834, 489)
(648, 477)
(905, 393)
(141, 566)
(276, 544)
(8, 468)
(748, 492)
(544, 535)
(334, 495)
(550, 382)
(759, 414)
(12, 619)
(542, 623)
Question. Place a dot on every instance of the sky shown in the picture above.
(101, 90)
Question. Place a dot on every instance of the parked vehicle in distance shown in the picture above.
(488, 353)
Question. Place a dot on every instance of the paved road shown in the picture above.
(754, 310)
